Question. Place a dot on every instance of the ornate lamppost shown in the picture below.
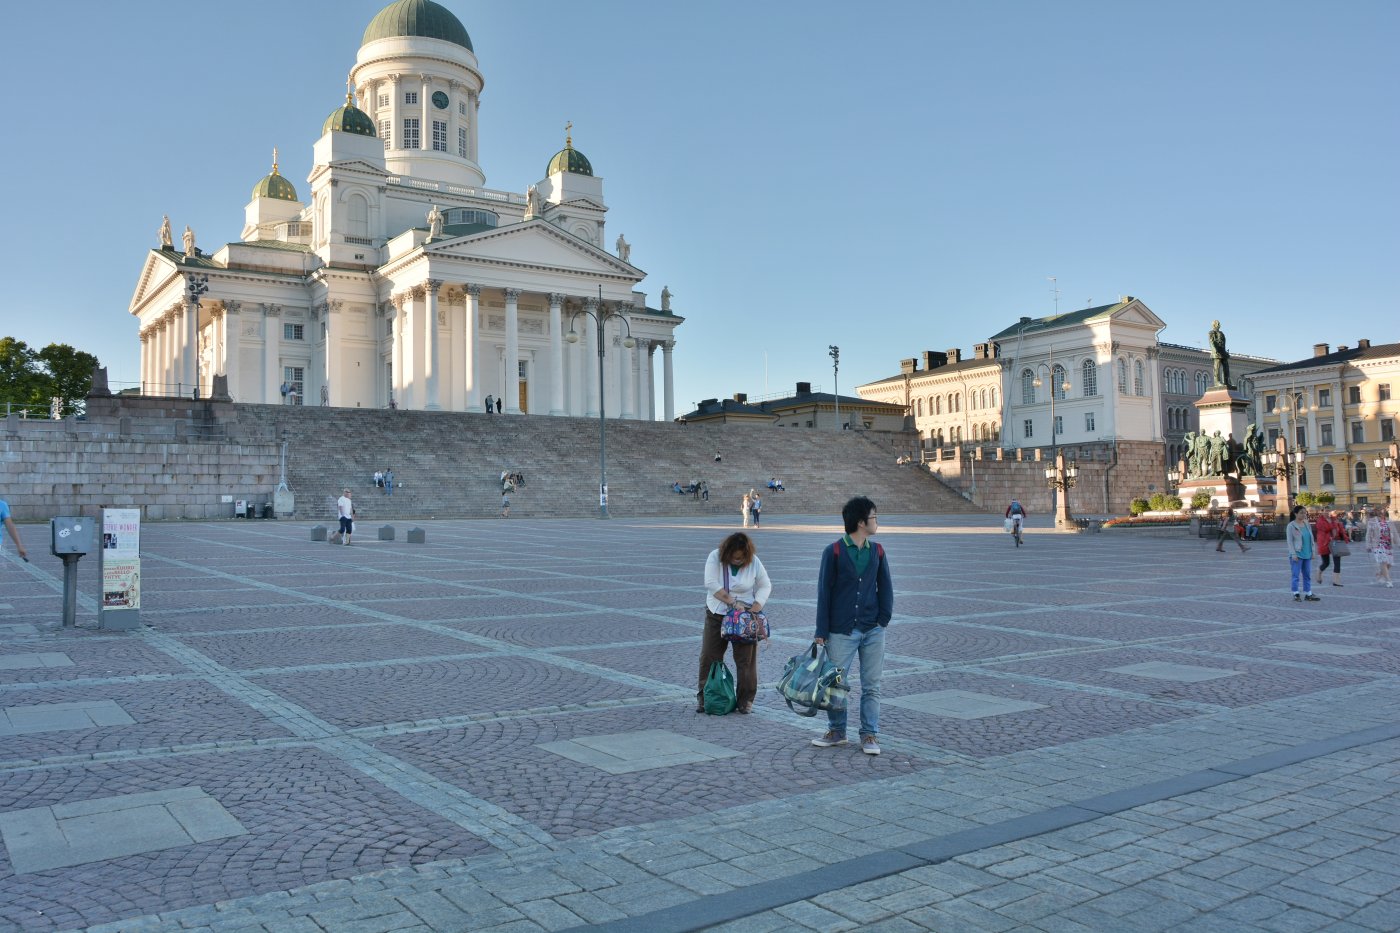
(1062, 478)
(834, 352)
(600, 319)
(1061, 388)
(1282, 462)
(1388, 464)
(195, 288)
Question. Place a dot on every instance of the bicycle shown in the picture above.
(1016, 529)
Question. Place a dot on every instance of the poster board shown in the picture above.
(119, 569)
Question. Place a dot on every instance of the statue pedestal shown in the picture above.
(1258, 491)
(1223, 410)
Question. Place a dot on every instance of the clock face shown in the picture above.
(440, 100)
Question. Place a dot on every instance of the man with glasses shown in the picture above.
(855, 600)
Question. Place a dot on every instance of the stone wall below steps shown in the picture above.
(167, 457)
(1110, 476)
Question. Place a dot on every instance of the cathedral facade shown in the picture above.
(402, 280)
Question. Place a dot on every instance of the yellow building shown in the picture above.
(1339, 407)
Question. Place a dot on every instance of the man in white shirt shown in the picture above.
(347, 516)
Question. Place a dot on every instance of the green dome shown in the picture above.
(418, 18)
(569, 159)
(275, 186)
(349, 119)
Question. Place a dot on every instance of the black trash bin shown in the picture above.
(267, 510)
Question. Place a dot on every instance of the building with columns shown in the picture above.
(402, 279)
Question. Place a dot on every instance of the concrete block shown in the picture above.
(318, 533)
(386, 532)
(417, 536)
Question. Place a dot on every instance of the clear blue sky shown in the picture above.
(889, 177)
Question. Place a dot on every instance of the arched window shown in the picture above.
(1122, 376)
(1027, 387)
(957, 402)
(951, 409)
(1137, 377)
(1360, 473)
(1089, 377)
(1200, 383)
(1058, 381)
(1302, 476)
(996, 432)
(983, 397)
(1329, 478)
(994, 398)
(358, 210)
(919, 407)
(937, 402)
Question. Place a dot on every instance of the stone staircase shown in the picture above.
(448, 464)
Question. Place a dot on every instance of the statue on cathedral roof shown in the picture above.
(624, 249)
(188, 238)
(532, 201)
(665, 298)
(166, 239)
(434, 223)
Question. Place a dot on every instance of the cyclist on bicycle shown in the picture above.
(1017, 513)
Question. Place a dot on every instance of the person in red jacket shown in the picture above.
(1330, 530)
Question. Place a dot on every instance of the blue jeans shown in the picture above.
(842, 650)
(1303, 567)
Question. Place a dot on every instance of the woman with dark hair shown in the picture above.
(734, 578)
(1301, 549)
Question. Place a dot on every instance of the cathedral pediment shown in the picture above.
(160, 267)
(1135, 312)
(534, 243)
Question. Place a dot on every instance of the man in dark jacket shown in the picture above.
(855, 600)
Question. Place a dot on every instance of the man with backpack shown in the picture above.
(1017, 513)
(855, 601)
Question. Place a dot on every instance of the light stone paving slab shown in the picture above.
(33, 660)
(68, 834)
(19, 629)
(1319, 647)
(60, 717)
(628, 752)
(962, 704)
(1181, 673)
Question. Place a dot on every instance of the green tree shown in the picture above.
(1137, 506)
(69, 373)
(1201, 498)
(1304, 498)
(21, 381)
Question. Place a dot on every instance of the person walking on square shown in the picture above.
(756, 505)
(1229, 531)
(1381, 533)
(388, 482)
(746, 508)
(1301, 548)
(1330, 531)
(9, 524)
(490, 404)
(498, 406)
(855, 601)
(1017, 513)
(734, 578)
(505, 505)
(346, 510)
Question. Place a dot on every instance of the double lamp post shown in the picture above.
(600, 319)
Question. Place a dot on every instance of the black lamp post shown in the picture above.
(195, 288)
(600, 319)
(834, 352)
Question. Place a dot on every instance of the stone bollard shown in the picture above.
(386, 532)
(318, 533)
(417, 536)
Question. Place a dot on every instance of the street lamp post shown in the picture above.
(1282, 462)
(1062, 388)
(834, 352)
(1062, 479)
(600, 319)
(1389, 466)
(195, 288)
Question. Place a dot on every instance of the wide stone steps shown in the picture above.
(448, 464)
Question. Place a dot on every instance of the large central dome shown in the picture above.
(418, 18)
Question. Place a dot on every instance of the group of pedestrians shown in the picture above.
(384, 479)
(751, 509)
(855, 602)
(1328, 538)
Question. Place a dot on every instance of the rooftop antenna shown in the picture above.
(1055, 290)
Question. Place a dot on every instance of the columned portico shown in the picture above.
(512, 357)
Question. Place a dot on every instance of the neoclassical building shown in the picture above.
(402, 279)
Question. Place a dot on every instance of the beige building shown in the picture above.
(1340, 408)
(802, 409)
(951, 400)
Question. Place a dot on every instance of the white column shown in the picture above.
(470, 375)
(591, 354)
(162, 356)
(1341, 437)
(191, 329)
(233, 348)
(1311, 396)
(398, 357)
(218, 347)
(626, 377)
(512, 359)
(1152, 393)
(395, 120)
(644, 412)
(415, 337)
(556, 354)
(670, 379)
(272, 353)
(432, 365)
(335, 353)
(473, 114)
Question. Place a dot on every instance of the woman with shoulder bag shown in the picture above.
(1338, 546)
(734, 578)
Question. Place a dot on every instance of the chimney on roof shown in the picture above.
(804, 388)
(1341, 347)
(1364, 343)
(741, 397)
(706, 403)
(1025, 320)
(954, 355)
(933, 359)
(1321, 349)
(980, 351)
(908, 366)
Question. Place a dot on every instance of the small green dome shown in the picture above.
(275, 186)
(569, 159)
(418, 18)
(349, 119)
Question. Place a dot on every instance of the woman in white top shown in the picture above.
(745, 508)
(1381, 533)
(748, 587)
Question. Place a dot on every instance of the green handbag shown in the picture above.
(720, 698)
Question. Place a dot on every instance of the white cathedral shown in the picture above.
(404, 281)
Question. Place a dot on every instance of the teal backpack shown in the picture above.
(720, 698)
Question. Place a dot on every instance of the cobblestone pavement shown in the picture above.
(495, 731)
